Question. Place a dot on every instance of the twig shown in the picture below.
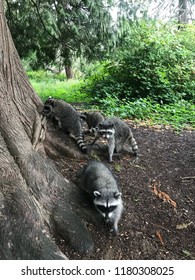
(159, 226)
(188, 178)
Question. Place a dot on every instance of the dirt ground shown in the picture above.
(158, 221)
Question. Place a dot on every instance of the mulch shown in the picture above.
(158, 221)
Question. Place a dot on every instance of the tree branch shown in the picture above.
(42, 22)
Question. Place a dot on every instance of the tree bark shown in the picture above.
(36, 202)
(183, 12)
(69, 72)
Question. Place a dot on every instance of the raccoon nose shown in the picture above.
(105, 216)
(107, 219)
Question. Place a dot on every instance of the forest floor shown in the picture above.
(158, 222)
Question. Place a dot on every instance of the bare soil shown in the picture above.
(159, 197)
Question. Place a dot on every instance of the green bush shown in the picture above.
(153, 61)
(179, 115)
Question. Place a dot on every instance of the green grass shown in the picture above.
(67, 90)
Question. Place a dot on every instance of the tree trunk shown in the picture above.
(69, 72)
(183, 12)
(36, 202)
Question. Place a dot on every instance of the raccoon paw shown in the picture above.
(136, 160)
(86, 132)
(85, 150)
(114, 231)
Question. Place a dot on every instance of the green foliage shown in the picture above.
(180, 114)
(58, 31)
(154, 60)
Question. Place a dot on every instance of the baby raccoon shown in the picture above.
(98, 181)
(92, 118)
(117, 133)
(67, 117)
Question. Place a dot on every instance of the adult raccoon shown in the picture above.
(67, 117)
(117, 133)
(92, 118)
(98, 181)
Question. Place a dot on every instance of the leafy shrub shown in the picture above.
(153, 61)
(178, 115)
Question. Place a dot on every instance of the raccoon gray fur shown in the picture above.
(117, 133)
(92, 118)
(67, 117)
(98, 181)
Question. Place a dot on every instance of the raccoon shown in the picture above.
(67, 117)
(92, 118)
(117, 133)
(98, 181)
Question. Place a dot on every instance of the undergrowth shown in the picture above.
(178, 115)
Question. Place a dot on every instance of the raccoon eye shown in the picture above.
(104, 209)
(101, 208)
(112, 208)
(46, 107)
(117, 194)
(109, 132)
(46, 110)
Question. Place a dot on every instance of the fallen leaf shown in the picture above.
(183, 226)
(158, 234)
(162, 195)
(117, 167)
(187, 253)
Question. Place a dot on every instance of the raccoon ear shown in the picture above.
(97, 194)
(117, 194)
(50, 100)
(100, 124)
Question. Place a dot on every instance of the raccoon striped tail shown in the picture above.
(80, 143)
(134, 144)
